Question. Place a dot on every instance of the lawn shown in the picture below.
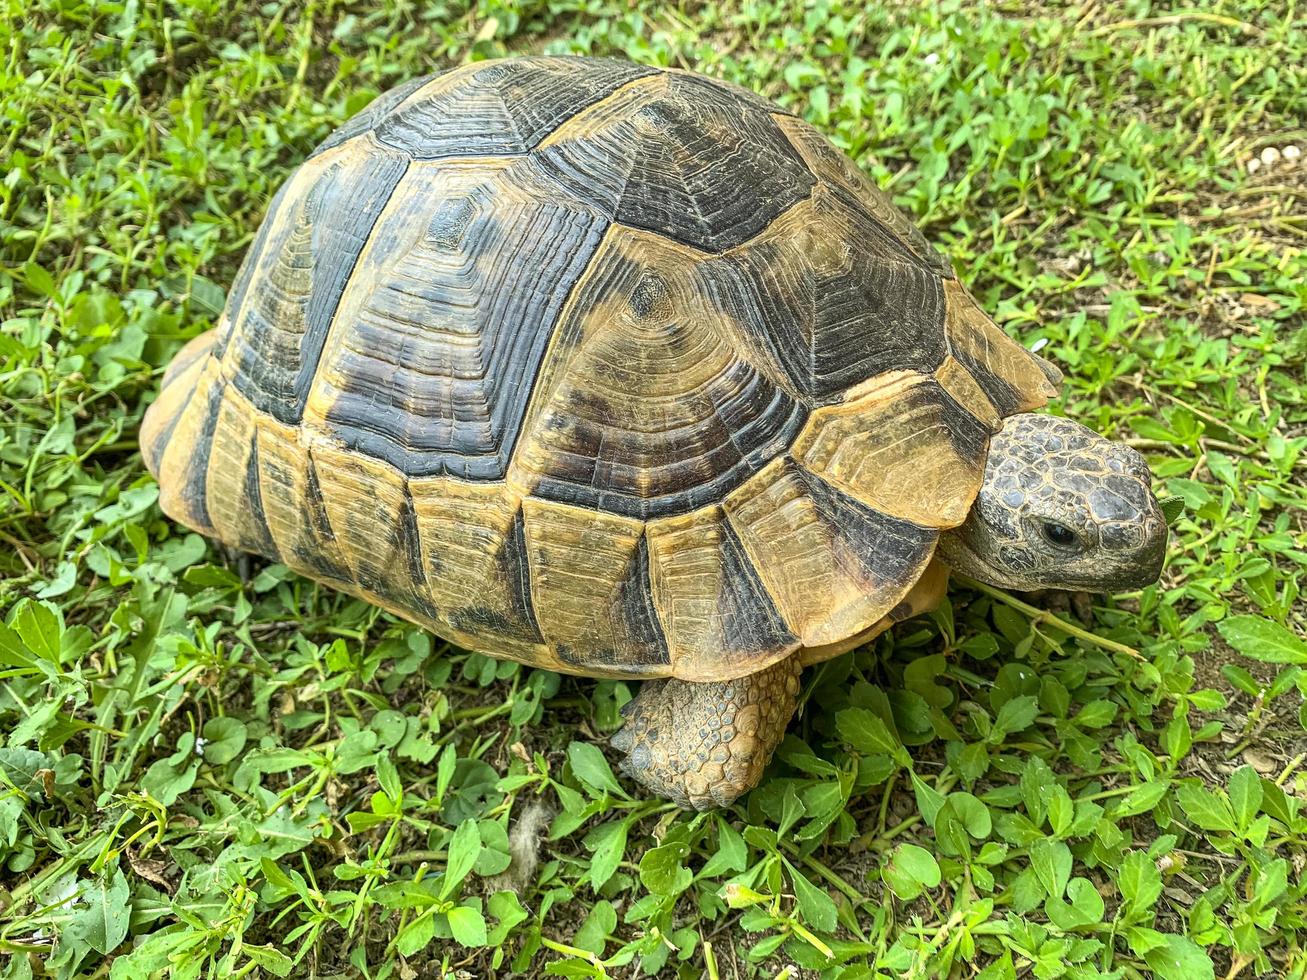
(202, 776)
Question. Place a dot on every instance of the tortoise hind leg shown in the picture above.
(703, 745)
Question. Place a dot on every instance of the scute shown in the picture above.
(447, 317)
(682, 157)
(720, 619)
(831, 298)
(498, 108)
(646, 404)
(884, 446)
(288, 299)
(837, 172)
(590, 580)
(835, 566)
(603, 368)
(378, 109)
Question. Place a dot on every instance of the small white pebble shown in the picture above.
(931, 60)
(1254, 165)
(1270, 156)
(1291, 153)
(200, 743)
(1039, 345)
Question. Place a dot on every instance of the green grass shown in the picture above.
(206, 778)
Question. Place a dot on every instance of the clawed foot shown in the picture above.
(705, 745)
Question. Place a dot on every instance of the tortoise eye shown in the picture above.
(1059, 534)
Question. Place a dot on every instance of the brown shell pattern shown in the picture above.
(603, 368)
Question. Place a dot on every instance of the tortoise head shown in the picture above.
(1060, 508)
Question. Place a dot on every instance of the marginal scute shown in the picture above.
(924, 596)
(293, 505)
(179, 383)
(719, 619)
(832, 565)
(646, 405)
(680, 156)
(440, 334)
(234, 494)
(1012, 378)
(476, 564)
(367, 503)
(907, 450)
(590, 583)
(183, 493)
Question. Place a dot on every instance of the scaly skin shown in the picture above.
(1061, 508)
(1042, 472)
(703, 745)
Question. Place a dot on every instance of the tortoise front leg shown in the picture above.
(703, 745)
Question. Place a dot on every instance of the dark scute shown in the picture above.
(832, 327)
(317, 506)
(518, 575)
(749, 620)
(253, 257)
(970, 436)
(263, 544)
(646, 646)
(410, 541)
(635, 598)
(889, 548)
(377, 109)
(505, 108)
(194, 488)
(281, 326)
(699, 165)
(315, 559)
(437, 371)
(348, 208)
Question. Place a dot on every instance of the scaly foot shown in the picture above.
(704, 745)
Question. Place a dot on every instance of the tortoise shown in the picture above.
(626, 372)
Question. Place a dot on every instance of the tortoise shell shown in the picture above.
(607, 369)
